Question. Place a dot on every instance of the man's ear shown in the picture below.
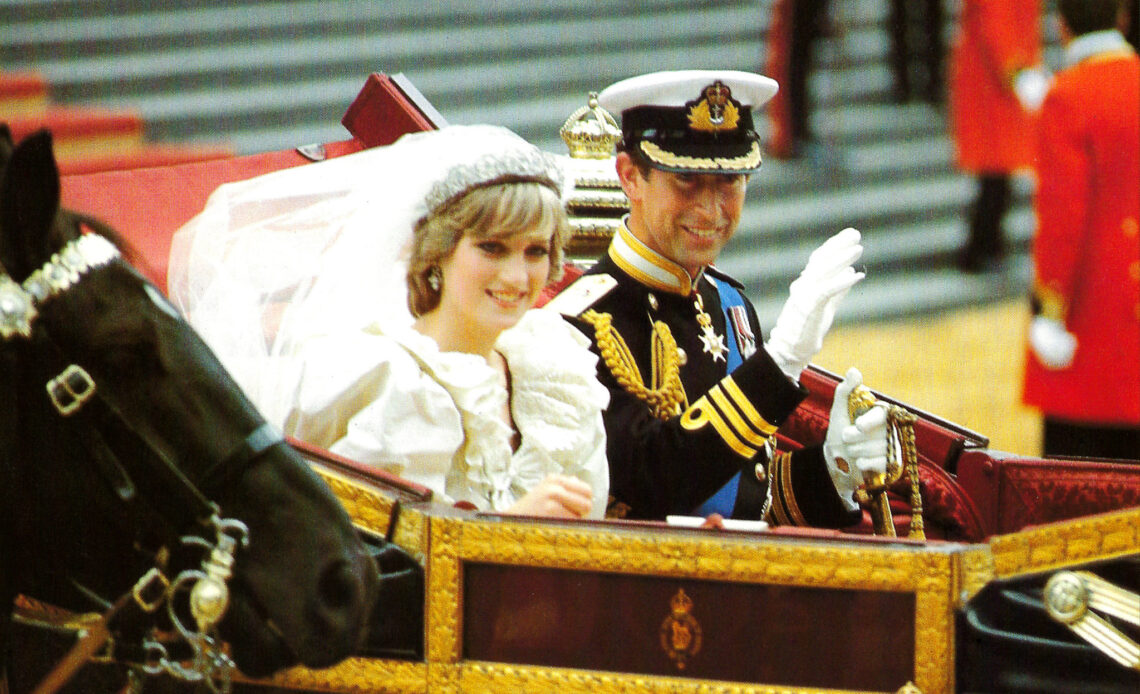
(629, 176)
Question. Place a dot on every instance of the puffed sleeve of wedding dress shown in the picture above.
(364, 397)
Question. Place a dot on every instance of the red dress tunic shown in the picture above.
(992, 132)
(1087, 248)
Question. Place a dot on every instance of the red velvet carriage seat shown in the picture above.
(969, 491)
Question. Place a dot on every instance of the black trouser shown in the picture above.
(990, 207)
(926, 43)
(1072, 439)
(808, 19)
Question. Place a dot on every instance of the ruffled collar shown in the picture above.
(555, 395)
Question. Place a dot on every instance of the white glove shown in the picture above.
(860, 447)
(1031, 85)
(1052, 344)
(812, 299)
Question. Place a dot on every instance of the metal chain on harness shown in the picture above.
(208, 600)
(209, 597)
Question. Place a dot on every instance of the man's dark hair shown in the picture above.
(638, 158)
(1084, 16)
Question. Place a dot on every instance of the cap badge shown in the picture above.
(716, 111)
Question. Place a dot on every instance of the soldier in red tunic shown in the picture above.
(1083, 366)
(995, 82)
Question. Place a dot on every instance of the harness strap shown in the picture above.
(84, 649)
(97, 414)
(100, 415)
(250, 449)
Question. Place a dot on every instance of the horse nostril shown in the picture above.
(341, 587)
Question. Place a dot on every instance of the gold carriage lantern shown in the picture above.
(594, 201)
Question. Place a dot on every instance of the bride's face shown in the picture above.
(489, 283)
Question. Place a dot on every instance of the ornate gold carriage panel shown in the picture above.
(521, 605)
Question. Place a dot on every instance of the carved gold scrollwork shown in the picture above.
(1058, 545)
(367, 508)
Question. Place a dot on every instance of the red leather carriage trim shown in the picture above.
(1013, 493)
(148, 205)
(938, 440)
(388, 107)
(570, 272)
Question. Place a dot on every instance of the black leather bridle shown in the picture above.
(78, 400)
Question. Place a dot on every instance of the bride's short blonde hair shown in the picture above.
(500, 210)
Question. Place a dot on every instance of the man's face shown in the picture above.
(687, 218)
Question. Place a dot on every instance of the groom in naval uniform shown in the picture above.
(695, 397)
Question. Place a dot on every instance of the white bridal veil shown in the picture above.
(315, 250)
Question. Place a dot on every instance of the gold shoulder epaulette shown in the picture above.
(582, 294)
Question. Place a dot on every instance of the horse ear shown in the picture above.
(29, 202)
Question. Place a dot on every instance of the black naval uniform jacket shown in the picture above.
(670, 466)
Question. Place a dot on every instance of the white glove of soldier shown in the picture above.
(1031, 85)
(1053, 345)
(812, 299)
(854, 449)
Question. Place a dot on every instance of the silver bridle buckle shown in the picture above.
(71, 389)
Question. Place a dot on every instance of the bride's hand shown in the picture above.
(557, 496)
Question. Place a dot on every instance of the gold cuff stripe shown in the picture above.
(701, 413)
(778, 513)
(787, 490)
(741, 401)
(784, 507)
(751, 160)
(742, 428)
(746, 435)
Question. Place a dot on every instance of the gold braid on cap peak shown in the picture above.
(667, 398)
(656, 154)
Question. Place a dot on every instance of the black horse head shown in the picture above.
(99, 488)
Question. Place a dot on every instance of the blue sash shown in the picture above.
(724, 500)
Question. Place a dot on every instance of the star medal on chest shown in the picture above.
(713, 343)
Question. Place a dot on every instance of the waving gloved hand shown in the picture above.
(812, 299)
(1052, 343)
(854, 449)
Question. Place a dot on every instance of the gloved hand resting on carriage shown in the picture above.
(812, 299)
(854, 449)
